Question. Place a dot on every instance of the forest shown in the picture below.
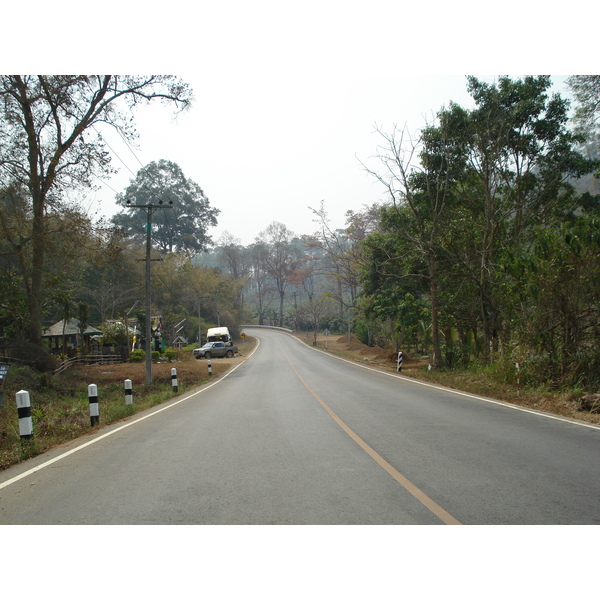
(486, 250)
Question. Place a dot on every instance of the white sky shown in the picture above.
(287, 95)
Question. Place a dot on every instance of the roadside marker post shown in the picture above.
(93, 397)
(128, 392)
(399, 367)
(518, 366)
(24, 413)
(210, 368)
(174, 380)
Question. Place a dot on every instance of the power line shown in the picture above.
(106, 184)
(130, 148)
(113, 150)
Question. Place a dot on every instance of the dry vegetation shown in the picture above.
(477, 380)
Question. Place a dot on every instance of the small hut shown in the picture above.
(179, 342)
(71, 332)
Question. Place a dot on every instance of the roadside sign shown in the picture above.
(243, 335)
(3, 371)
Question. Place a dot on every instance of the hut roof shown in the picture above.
(72, 328)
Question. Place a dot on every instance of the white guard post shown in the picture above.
(128, 392)
(174, 379)
(24, 413)
(93, 398)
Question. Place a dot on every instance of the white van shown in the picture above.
(219, 334)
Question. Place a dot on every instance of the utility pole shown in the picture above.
(149, 208)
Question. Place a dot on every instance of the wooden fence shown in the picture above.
(90, 359)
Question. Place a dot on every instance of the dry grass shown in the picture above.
(563, 403)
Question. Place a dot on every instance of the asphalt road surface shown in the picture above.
(296, 436)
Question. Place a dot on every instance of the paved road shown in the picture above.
(293, 436)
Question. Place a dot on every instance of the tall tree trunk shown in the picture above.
(438, 360)
(34, 299)
(486, 326)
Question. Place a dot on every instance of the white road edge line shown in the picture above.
(129, 424)
(453, 391)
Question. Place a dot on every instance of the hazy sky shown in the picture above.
(287, 95)
(268, 150)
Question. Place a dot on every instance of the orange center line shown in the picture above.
(423, 498)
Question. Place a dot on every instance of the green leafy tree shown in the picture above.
(50, 143)
(520, 160)
(419, 179)
(586, 89)
(182, 228)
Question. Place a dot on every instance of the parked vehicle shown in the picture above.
(215, 350)
(219, 334)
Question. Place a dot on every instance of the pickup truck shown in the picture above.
(215, 350)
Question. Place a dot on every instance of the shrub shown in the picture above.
(137, 356)
(336, 325)
(362, 332)
(170, 354)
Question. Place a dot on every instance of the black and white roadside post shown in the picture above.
(128, 391)
(209, 368)
(399, 368)
(174, 379)
(24, 413)
(93, 398)
(149, 208)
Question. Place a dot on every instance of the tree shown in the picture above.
(521, 158)
(313, 311)
(69, 245)
(232, 254)
(184, 228)
(15, 234)
(50, 143)
(281, 260)
(419, 193)
(259, 252)
(586, 89)
(111, 274)
(342, 251)
(234, 260)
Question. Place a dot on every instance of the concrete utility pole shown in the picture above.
(149, 208)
